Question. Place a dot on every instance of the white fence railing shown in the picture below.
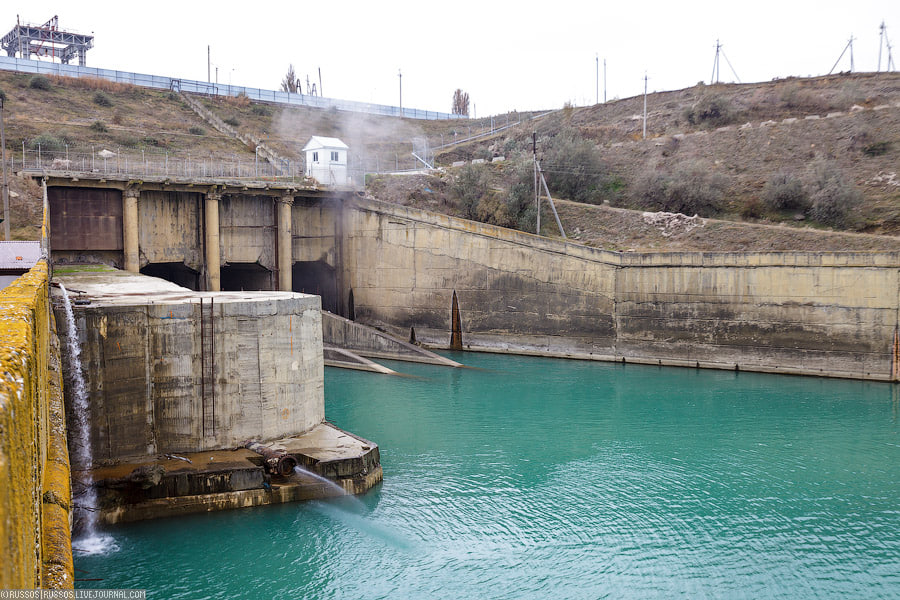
(217, 89)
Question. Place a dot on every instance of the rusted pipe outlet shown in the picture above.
(278, 462)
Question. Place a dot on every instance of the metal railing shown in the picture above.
(132, 163)
(218, 89)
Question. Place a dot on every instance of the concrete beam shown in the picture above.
(130, 229)
(283, 241)
(213, 278)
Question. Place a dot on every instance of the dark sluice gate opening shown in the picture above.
(246, 277)
(177, 273)
(319, 278)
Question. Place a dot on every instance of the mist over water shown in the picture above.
(540, 478)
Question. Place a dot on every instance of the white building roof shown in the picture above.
(19, 255)
(317, 142)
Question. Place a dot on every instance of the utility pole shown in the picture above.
(714, 78)
(644, 135)
(537, 190)
(604, 81)
(598, 77)
(208, 64)
(850, 47)
(5, 189)
(880, 44)
(400, 76)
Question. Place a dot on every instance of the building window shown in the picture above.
(334, 157)
(315, 157)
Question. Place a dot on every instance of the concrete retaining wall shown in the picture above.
(816, 313)
(164, 378)
(35, 496)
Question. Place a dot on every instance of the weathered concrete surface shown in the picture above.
(225, 479)
(248, 230)
(828, 314)
(346, 359)
(342, 333)
(171, 370)
(815, 313)
(170, 228)
(35, 497)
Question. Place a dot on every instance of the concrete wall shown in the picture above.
(816, 313)
(170, 228)
(157, 384)
(35, 495)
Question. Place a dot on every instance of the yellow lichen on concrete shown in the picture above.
(33, 456)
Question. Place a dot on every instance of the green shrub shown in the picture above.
(232, 121)
(783, 191)
(99, 127)
(711, 110)
(2, 95)
(877, 149)
(39, 82)
(470, 185)
(573, 168)
(48, 142)
(261, 110)
(834, 198)
(101, 99)
(173, 96)
(194, 130)
(691, 189)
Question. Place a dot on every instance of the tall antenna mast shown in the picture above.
(880, 43)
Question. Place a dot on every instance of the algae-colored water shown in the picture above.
(541, 478)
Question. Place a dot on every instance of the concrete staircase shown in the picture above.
(251, 141)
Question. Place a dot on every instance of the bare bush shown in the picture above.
(834, 198)
(692, 188)
(469, 187)
(712, 110)
(101, 99)
(520, 198)
(784, 191)
(242, 100)
(573, 168)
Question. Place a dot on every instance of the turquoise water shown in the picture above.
(542, 478)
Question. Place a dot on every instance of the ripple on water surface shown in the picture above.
(537, 478)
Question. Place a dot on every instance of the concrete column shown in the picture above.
(284, 243)
(213, 260)
(130, 236)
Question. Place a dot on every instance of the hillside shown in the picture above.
(732, 139)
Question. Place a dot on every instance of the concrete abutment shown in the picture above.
(831, 314)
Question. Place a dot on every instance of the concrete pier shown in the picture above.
(284, 248)
(211, 240)
(170, 371)
(131, 228)
(166, 486)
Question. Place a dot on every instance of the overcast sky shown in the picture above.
(506, 55)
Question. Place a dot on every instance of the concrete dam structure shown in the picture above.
(190, 393)
(396, 268)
